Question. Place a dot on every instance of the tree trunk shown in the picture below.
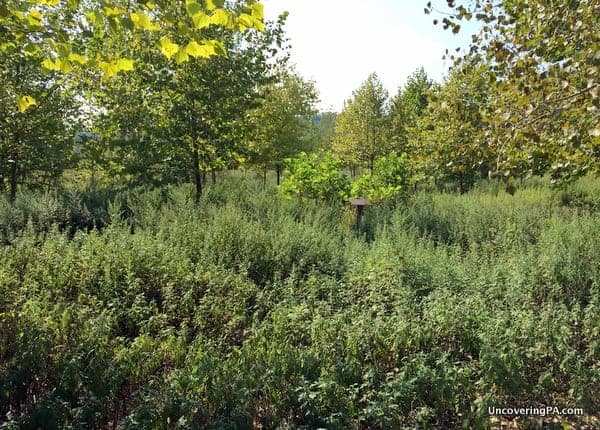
(213, 177)
(13, 179)
(372, 164)
(197, 174)
(278, 171)
(265, 177)
(461, 182)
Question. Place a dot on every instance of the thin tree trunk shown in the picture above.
(265, 177)
(278, 171)
(213, 176)
(13, 179)
(197, 174)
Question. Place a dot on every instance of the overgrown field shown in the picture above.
(250, 311)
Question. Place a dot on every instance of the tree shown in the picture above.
(407, 107)
(324, 130)
(450, 141)
(360, 131)
(175, 122)
(283, 122)
(37, 145)
(543, 67)
(78, 34)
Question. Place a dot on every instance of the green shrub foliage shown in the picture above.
(250, 311)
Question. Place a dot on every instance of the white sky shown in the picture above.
(338, 43)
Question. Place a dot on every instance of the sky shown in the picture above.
(339, 43)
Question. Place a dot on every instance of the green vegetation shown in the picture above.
(136, 294)
(251, 311)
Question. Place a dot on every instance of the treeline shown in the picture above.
(217, 91)
(176, 116)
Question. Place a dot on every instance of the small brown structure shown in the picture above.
(359, 204)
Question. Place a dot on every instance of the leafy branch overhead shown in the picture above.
(73, 35)
(542, 60)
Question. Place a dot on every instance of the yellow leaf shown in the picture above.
(47, 2)
(113, 11)
(65, 66)
(108, 69)
(210, 5)
(124, 64)
(201, 20)
(245, 21)
(51, 64)
(25, 102)
(114, 67)
(34, 18)
(141, 20)
(81, 59)
(258, 11)
(168, 48)
(221, 17)
(196, 50)
(182, 56)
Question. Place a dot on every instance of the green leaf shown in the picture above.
(192, 8)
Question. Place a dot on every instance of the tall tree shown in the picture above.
(283, 122)
(449, 142)
(36, 145)
(169, 121)
(407, 107)
(544, 61)
(360, 131)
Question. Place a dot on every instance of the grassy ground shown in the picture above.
(141, 310)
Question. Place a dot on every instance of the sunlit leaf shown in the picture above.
(143, 21)
(81, 59)
(221, 17)
(258, 11)
(25, 102)
(113, 11)
(124, 64)
(182, 56)
(201, 20)
(194, 49)
(168, 48)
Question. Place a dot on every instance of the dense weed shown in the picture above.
(142, 310)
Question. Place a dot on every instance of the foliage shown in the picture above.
(543, 69)
(79, 35)
(253, 311)
(360, 129)
(407, 107)
(190, 119)
(450, 143)
(316, 176)
(282, 123)
(249, 310)
(389, 180)
(35, 146)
